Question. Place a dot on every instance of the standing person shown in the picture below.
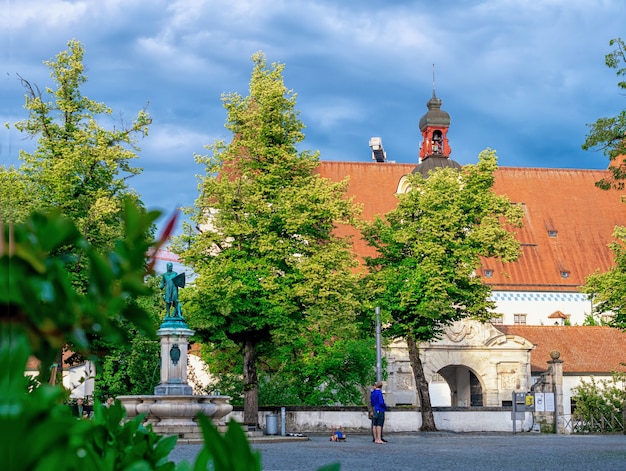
(370, 415)
(378, 409)
(109, 402)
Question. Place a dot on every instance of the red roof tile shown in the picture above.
(584, 349)
(568, 221)
(567, 226)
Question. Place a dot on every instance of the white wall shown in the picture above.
(539, 305)
(395, 421)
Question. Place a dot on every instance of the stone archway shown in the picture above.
(481, 366)
(465, 386)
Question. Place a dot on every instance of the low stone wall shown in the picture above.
(320, 420)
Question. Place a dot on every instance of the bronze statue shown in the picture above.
(171, 281)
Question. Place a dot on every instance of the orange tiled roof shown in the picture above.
(584, 349)
(568, 222)
(371, 184)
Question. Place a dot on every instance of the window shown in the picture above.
(519, 319)
(497, 319)
(552, 233)
(564, 274)
(488, 273)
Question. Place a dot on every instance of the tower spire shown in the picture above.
(434, 94)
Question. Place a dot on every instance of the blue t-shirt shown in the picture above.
(378, 401)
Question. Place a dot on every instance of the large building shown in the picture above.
(568, 225)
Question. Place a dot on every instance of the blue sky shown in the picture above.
(521, 77)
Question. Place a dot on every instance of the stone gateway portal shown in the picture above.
(472, 365)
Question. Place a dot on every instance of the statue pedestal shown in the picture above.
(173, 409)
(174, 335)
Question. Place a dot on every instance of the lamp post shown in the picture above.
(379, 370)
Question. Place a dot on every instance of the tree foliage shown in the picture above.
(133, 367)
(428, 249)
(609, 133)
(597, 401)
(78, 167)
(269, 268)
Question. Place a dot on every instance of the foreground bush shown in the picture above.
(40, 313)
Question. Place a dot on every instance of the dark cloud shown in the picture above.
(521, 77)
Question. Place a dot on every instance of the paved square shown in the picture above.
(442, 451)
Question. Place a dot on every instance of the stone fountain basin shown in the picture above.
(173, 410)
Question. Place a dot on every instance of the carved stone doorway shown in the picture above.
(465, 387)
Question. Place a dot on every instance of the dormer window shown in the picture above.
(564, 274)
(552, 233)
(488, 273)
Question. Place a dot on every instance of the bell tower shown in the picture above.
(434, 150)
(434, 127)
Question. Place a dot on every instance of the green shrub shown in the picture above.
(41, 312)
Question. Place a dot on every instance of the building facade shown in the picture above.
(567, 227)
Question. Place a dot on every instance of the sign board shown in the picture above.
(530, 402)
(549, 402)
(540, 405)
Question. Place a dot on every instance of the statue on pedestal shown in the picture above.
(170, 282)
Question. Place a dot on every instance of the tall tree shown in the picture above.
(609, 134)
(428, 248)
(78, 167)
(266, 257)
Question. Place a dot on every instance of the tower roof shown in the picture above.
(434, 162)
(435, 116)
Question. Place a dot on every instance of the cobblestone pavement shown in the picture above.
(442, 451)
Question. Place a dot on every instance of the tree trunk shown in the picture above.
(428, 419)
(250, 385)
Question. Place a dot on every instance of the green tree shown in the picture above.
(270, 269)
(429, 247)
(78, 167)
(609, 134)
(607, 289)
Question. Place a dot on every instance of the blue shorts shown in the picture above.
(378, 419)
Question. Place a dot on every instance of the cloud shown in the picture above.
(523, 77)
